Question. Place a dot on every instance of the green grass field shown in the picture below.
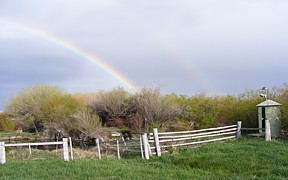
(235, 159)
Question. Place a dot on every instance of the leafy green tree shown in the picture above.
(246, 109)
(280, 94)
(26, 107)
(6, 124)
(59, 112)
(199, 111)
(226, 105)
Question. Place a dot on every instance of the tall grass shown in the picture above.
(235, 159)
(14, 134)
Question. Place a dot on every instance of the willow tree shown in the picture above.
(156, 109)
(26, 107)
(112, 106)
(60, 112)
(280, 94)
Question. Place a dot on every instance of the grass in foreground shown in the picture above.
(13, 133)
(236, 159)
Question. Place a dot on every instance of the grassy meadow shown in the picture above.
(14, 134)
(234, 159)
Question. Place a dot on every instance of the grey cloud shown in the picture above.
(169, 43)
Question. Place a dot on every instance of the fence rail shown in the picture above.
(195, 131)
(159, 142)
(153, 143)
(199, 134)
(267, 130)
(34, 144)
(199, 142)
(252, 129)
(64, 143)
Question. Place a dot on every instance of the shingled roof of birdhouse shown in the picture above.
(268, 103)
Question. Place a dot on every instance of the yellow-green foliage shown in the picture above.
(60, 110)
(6, 124)
(26, 107)
(281, 95)
(209, 111)
(40, 107)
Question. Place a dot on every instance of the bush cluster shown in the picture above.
(85, 116)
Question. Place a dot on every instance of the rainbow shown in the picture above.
(72, 48)
(191, 70)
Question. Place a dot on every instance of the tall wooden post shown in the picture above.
(156, 140)
(2, 153)
(118, 149)
(98, 148)
(71, 149)
(29, 147)
(267, 130)
(145, 144)
(238, 134)
(65, 149)
(141, 148)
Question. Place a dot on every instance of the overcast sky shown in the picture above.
(180, 46)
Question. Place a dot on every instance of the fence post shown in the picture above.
(267, 130)
(65, 149)
(98, 147)
(71, 149)
(141, 148)
(145, 144)
(125, 145)
(2, 153)
(29, 147)
(156, 140)
(238, 134)
(118, 149)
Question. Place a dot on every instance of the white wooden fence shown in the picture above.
(155, 143)
(64, 143)
(159, 142)
(119, 146)
(267, 130)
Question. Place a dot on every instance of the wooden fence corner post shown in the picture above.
(238, 133)
(145, 144)
(65, 149)
(2, 153)
(156, 141)
(141, 147)
(71, 148)
(267, 130)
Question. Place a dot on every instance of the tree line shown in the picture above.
(48, 110)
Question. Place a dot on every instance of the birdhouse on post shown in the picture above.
(270, 110)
